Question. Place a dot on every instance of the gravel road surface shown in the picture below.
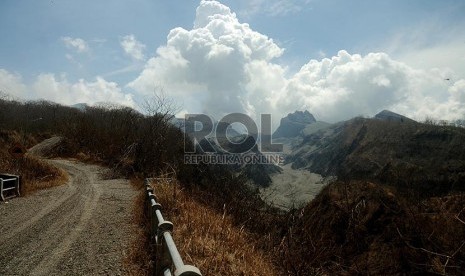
(81, 228)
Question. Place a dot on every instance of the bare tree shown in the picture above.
(160, 104)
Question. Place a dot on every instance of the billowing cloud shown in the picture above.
(349, 85)
(77, 44)
(216, 64)
(132, 47)
(60, 90)
(221, 65)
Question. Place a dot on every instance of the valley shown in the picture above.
(347, 195)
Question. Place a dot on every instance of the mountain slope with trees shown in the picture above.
(428, 158)
(399, 191)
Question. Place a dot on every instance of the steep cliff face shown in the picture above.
(293, 124)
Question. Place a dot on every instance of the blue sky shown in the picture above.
(77, 48)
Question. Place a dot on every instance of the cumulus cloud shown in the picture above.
(60, 90)
(214, 64)
(132, 47)
(11, 84)
(221, 65)
(77, 44)
(349, 85)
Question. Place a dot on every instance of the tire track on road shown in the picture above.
(61, 237)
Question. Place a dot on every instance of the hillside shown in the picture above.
(258, 174)
(136, 146)
(390, 116)
(398, 194)
(35, 173)
(212, 239)
(359, 227)
(427, 158)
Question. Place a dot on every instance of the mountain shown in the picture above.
(293, 124)
(80, 106)
(258, 173)
(422, 157)
(229, 141)
(387, 115)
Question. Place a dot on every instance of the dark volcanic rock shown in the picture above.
(293, 124)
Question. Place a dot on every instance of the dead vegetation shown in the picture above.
(139, 261)
(210, 239)
(366, 228)
(352, 227)
(426, 158)
(35, 173)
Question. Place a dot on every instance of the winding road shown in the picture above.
(81, 228)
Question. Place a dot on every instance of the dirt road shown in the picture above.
(81, 228)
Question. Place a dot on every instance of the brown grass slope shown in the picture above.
(364, 228)
(210, 239)
(35, 174)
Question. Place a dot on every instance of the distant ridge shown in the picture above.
(80, 106)
(387, 115)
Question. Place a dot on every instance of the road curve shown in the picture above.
(81, 228)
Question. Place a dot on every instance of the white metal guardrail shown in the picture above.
(166, 254)
(9, 186)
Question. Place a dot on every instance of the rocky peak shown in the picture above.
(293, 124)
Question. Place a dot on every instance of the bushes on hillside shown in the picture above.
(35, 174)
(118, 136)
(360, 227)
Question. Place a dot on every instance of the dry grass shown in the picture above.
(210, 240)
(35, 174)
(366, 228)
(138, 261)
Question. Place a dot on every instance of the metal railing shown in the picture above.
(9, 186)
(166, 254)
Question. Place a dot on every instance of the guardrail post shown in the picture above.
(154, 222)
(187, 270)
(18, 180)
(148, 192)
(164, 261)
(166, 254)
(180, 268)
(1, 190)
(9, 186)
